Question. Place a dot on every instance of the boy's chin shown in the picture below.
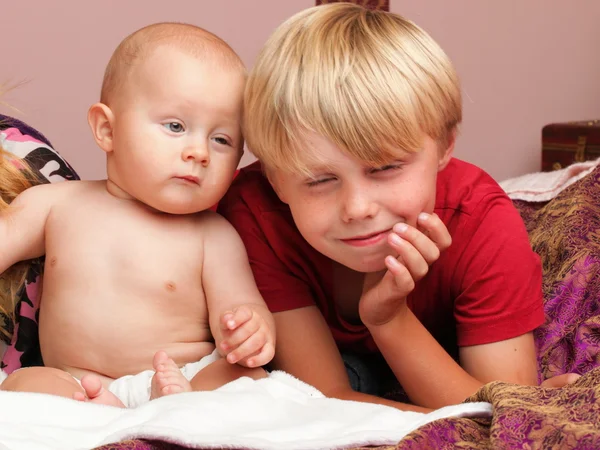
(369, 265)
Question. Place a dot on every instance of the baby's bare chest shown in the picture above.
(125, 246)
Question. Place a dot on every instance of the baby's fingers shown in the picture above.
(249, 347)
(233, 319)
(262, 358)
(240, 335)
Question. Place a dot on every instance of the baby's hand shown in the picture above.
(247, 337)
(384, 293)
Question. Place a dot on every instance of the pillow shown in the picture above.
(25, 142)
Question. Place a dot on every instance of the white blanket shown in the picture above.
(544, 186)
(279, 412)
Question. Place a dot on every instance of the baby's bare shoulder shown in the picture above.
(218, 235)
(50, 193)
(212, 223)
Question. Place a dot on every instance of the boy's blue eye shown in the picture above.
(174, 127)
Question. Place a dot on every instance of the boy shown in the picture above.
(365, 236)
(141, 279)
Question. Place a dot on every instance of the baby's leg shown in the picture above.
(44, 380)
(221, 372)
(168, 378)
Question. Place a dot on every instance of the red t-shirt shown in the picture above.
(485, 288)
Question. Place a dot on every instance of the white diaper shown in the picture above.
(134, 390)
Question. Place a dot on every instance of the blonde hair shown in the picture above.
(370, 81)
(139, 45)
(14, 179)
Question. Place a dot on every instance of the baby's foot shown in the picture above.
(95, 392)
(168, 379)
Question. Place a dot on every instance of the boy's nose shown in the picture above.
(198, 153)
(358, 205)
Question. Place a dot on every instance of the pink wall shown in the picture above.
(62, 48)
(523, 64)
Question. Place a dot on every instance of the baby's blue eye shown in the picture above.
(222, 141)
(174, 127)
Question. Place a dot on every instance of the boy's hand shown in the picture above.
(247, 337)
(385, 292)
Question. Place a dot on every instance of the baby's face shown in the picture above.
(176, 132)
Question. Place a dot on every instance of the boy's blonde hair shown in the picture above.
(372, 82)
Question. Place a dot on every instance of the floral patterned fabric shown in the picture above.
(30, 145)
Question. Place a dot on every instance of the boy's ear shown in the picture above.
(100, 119)
(272, 177)
(446, 154)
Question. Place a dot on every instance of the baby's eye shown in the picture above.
(174, 127)
(222, 141)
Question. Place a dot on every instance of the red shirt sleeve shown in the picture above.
(263, 231)
(499, 276)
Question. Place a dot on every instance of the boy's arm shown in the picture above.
(227, 279)
(512, 360)
(427, 373)
(22, 225)
(500, 301)
(486, 307)
(306, 349)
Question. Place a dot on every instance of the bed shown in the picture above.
(564, 231)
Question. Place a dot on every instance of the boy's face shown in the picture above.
(347, 209)
(176, 132)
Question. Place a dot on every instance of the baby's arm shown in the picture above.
(22, 225)
(240, 321)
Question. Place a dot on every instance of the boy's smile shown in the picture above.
(367, 240)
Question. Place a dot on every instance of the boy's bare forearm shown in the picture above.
(349, 394)
(428, 374)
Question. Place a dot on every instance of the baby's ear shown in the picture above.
(100, 119)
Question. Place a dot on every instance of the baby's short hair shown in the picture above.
(372, 82)
(139, 45)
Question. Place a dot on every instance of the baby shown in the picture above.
(141, 280)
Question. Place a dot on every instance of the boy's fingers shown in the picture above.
(432, 225)
(560, 380)
(417, 239)
(401, 283)
(416, 263)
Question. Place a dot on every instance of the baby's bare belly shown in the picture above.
(118, 337)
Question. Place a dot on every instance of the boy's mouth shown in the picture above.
(366, 239)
